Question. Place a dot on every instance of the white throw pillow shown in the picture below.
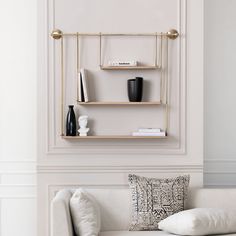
(200, 221)
(85, 214)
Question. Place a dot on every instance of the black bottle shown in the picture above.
(71, 122)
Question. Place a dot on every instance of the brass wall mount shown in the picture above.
(56, 34)
(172, 34)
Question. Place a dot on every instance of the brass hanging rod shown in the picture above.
(171, 34)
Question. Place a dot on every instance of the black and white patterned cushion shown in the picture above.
(155, 199)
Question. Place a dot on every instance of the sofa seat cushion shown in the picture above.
(144, 233)
(135, 233)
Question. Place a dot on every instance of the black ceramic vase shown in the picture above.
(71, 122)
(135, 89)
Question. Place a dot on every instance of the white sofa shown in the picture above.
(115, 207)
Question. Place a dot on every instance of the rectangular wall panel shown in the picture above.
(107, 163)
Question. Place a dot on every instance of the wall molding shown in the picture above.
(166, 147)
(220, 172)
(59, 161)
(17, 185)
(16, 167)
(220, 160)
(114, 151)
(18, 172)
(10, 197)
(119, 169)
(21, 168)
(17, 161)
(17, 191)
(214, 185)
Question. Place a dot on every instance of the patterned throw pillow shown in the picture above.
(155, 199)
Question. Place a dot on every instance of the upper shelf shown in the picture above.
(120, 103)
(129, 67)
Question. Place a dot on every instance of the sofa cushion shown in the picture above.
(155, 199)
(85, 214)
(200, 221)
(134, 233)
(60, 214)
(143, 233)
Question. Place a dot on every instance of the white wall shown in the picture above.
(220, 96)
(18, 118)
(18, 105)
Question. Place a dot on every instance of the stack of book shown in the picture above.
(83, 86)
(121, 63)
(149, 132)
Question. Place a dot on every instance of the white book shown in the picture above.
(149, 130)
(79, 88)
(85, 84)
(159, 134)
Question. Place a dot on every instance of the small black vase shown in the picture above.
(71, 122)
(135, 89)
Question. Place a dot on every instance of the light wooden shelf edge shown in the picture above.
(113, 137)
(119, 103)
(129, 67)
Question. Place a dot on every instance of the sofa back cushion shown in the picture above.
(115, 203)
(115, 207)
(212, 198)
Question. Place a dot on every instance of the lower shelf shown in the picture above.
(119, 103)
(113, 137)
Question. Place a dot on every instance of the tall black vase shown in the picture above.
(71, 122)
(135, 89)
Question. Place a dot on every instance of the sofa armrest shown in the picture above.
(61, 223)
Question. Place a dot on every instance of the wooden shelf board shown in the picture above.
(113, 137)
(129, 67)
(119, 103)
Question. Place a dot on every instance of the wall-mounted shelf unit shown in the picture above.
(157, 65)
